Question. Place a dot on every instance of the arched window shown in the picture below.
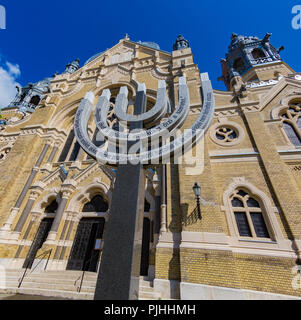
(67, 146)
(97, 204)
(75, 151)
(71, 148)
(112, 122)
(258, 53)
(239, 65)
(248, 215)
(35, 100)
(146, 206)
(291, 120)
(52, 208)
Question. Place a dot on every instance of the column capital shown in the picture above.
(36, 190)
(68, 188)
(50, 142)
(34, 195)
(57, 144)
(157, 187)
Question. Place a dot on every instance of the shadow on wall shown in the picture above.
(175, 226)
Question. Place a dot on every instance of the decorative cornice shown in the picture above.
(160, 75)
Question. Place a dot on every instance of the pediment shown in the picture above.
(286, 87)
(125, 51)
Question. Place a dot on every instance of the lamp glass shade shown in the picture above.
(197, 190)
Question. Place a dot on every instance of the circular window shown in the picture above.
(227, 133)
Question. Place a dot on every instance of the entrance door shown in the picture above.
(145, 248)
(40, 238)
(83, 254)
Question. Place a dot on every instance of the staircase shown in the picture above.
(65, 284)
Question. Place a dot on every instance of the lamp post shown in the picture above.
(197, 192)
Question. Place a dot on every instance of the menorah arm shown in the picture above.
(166, 128)
(81, 124)
(152, 115)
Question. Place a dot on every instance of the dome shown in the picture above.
(94, 57)
(153, 45)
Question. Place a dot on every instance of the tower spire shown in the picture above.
(73, 66)
(246, 53)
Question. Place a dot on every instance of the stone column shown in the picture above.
(52, 155)
(66, 239)
(31, 223)
(14, 211)
(32, 176)
(163, 201)
(67, 189)
(22, 220)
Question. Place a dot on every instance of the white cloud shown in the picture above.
(13, 69)
(8, 75)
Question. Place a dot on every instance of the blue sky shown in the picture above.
(43, 36)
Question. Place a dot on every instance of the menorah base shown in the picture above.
(119, 274)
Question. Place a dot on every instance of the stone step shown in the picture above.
(146, 289)
(68, 272)
(87, 286)
(14, 274)
(52, 293)
(45, 280)
(70, 294)
(71, 277)
(145, 283)
(61, 284)
(55, 286)
(149, 295)
(86, 281)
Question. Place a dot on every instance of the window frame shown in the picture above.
(248, 210)
(292, 121)
(268, 210)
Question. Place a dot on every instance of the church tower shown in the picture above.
(73, 66)
(251, 59)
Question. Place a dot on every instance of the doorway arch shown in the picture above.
(42, 233)
(85, 251)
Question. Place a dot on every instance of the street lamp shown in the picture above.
(197, 192)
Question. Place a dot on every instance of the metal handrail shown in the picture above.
(83, 274)
(43, 254)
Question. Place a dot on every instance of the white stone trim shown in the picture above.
(193, 291)
(85, 193)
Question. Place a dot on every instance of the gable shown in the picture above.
(275, 95)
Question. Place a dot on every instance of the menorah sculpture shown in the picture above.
(131, 149)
